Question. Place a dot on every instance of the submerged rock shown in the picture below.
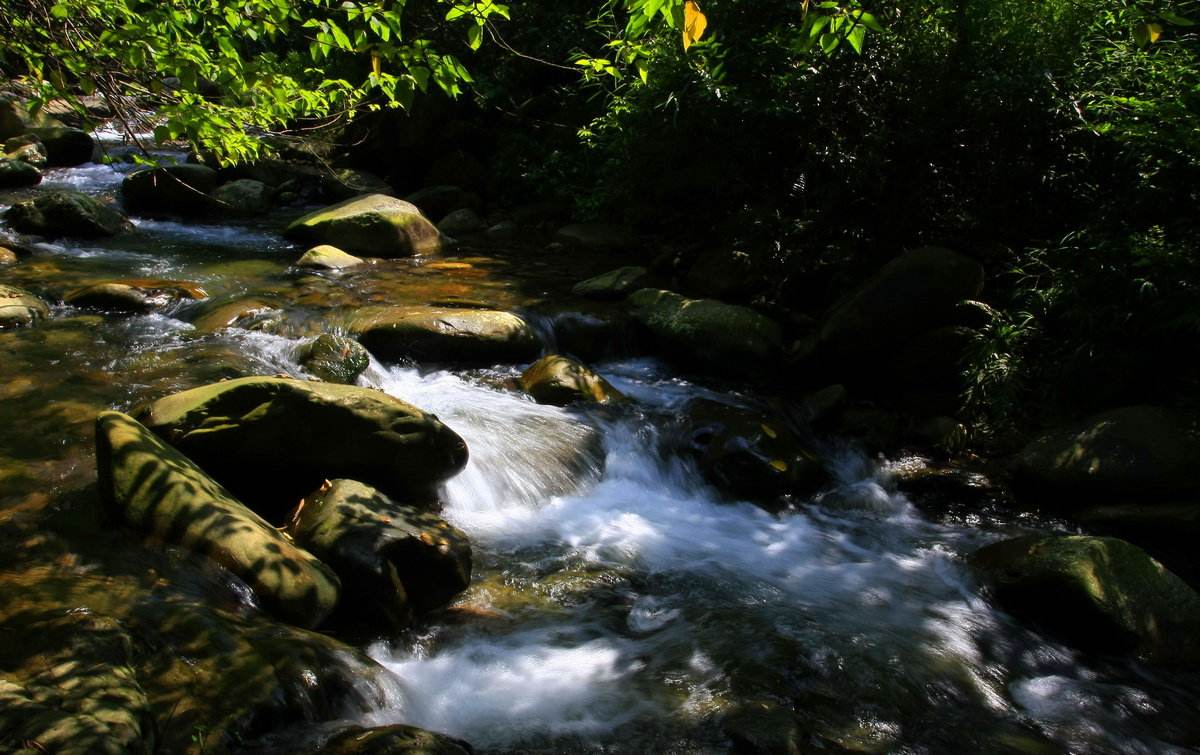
(19, 307)
(709, 334)
(274, 440)
(65, 147)
(748, 454)
(1098, 593)
(67, 213)
(374, 225)
(1128, 453)
(393, 559)
(326, 257)
(333, 358)
(436, 334)
(615, 284)
(15, 174)
(241, 313)
(561, 380)
(133, 296)
(158, 490)
(177, 189)
(244, 196)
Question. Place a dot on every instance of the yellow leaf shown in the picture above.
(779, 464)
(770, 431)
(1155, 31)
(376, 63)
(694, 23)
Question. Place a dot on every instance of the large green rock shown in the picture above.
(615, 284)
(1098, 593)
(709, 334)
(333, 358)
(437, 334)
(274, 440)
(393, 559)
(913, 293)
(19, 307)
(748, 454)
(1167, 531)
(172, 189)
(244, 196)
(158, 490)
(67, 213)
(16, 174)
(372, 225)
(1121, 455)
(561, 381)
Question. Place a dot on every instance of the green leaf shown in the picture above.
(474, 36)
(856, 37)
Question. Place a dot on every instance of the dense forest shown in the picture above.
(792, 376)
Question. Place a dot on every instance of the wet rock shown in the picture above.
(615, 284)
(436, 334)
(709, 334)
(16, 174)
(1167, 531)
(26, 148)
(7, 257)
(67, 686)
(19, 307)
(274, 440)
(67, 213)
(913, 293)
(156, 489)
(333, 358)
(133, 296)
(65, 147)
(1119, 455)
(393, 559)
(598, 236)
(725, 274)
(560, 381)
(1098, 593)
(242, 313)
(174, 189)
(374, 225)
(590, 337)
(505, 229)
(326, 257)
(244, 196)
(397, 739)
(763, 727)
(439, 201)
(461, 223)
(748, 454)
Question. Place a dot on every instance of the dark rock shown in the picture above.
(16, 174)
(244, 196)
(66, 213)
(461, 223)
(615, 284)
(597, 236)
(174, 189)
(334, 358)
(439, 201)
(65, 147)
(393, 740)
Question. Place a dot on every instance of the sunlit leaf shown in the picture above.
(694, 23)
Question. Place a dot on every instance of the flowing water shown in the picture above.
(618, 604)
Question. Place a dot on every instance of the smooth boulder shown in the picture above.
(326, 257)
(462, 222)
(174, 189)
(65, 147)
(273, 440)
(333, 358)
(372, 225)
(17, 174)
(158, 490)
(1098, 593)
(245, 196)
(560, 381)
(438, 334)
(18, 307)
(709, 334)
(67, 213)
(914, 293)
(133, 296)
(615, 284)
(394, 560)
(1122, 455)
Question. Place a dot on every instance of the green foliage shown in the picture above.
(219, 74)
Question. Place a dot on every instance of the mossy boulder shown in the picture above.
(244, 196)
(326, 257)
(373, 225)
(615, 284)
(274, 440)
(914, 293)
(155, 488)
(1098, 593)
(133, 296)
(397, 739)
(394, 560)
(333, 358)
(67, 686)
(172, 189)
(1167, 531)
(561, 381)
(439, 334)
(65, 147)
(67, 213)
(1117, 456)
(748, 454)
(19, 307)
(708, 334)
(17, 174)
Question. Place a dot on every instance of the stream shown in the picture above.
(617, 604)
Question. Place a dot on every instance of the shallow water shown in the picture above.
(618, 603)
